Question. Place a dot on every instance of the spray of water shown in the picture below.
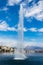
(20, 28)
(19, 54)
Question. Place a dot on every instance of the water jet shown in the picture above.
(19, 53)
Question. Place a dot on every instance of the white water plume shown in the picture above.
(19, 53)
(20, 27)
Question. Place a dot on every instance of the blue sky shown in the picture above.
(33, 22)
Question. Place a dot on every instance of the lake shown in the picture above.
(32, 59)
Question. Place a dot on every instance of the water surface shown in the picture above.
(31, 60)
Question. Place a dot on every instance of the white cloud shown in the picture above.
(8, 42)
(17, 1)
(4, 9)
(36, 29)
(12, 2)
(40, 30)
(29, 0)
(5, 27)
(36, 11)
(33, 43)
(30, 43)
(39, 16)
(24, 29)
(33, 29)
(12, 29)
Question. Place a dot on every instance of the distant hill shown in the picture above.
(32, 47)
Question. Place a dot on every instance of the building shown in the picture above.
(5, 49)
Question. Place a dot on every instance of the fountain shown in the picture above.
(19, 53)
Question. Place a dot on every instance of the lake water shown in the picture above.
(32, 59)
(21, 62)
